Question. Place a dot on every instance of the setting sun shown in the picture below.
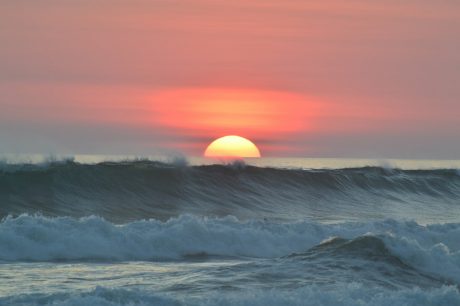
(232, 146)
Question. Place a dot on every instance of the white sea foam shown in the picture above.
(351, 294)
(433, 248)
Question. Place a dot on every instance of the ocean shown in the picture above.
(98, 230)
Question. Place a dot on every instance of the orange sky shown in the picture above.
(303, 78)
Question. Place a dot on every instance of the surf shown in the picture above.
(408, 246)
(132, 190)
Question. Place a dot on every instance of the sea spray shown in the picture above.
(433, 248)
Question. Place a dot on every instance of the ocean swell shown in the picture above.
(127, 191)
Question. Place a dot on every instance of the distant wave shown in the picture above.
(434, 249)
(132, 190)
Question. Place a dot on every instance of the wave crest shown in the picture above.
(434, 248)
(131, 190)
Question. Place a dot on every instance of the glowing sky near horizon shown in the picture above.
(299, 78)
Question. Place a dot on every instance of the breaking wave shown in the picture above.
(434, 249)
(127, 191)
(250, 235)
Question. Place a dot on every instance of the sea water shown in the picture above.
(122, 231)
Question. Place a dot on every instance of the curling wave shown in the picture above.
(127, 191)
(434, 249)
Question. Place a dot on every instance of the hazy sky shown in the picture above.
(300, 78)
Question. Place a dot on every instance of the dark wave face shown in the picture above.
(126, 191)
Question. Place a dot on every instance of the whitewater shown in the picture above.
(146, 232)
